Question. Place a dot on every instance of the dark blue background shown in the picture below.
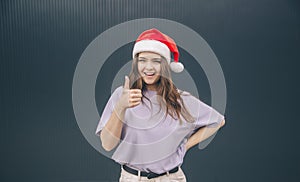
(256, 42)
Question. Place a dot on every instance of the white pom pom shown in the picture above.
(177, 67)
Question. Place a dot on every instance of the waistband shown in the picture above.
(149, 175)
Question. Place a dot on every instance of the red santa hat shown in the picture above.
(153, 40)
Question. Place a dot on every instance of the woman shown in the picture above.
(150, 122)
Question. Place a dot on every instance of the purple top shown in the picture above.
(149, 140)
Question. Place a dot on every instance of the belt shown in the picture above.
(149, 175)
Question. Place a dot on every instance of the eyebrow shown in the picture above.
(147, 58)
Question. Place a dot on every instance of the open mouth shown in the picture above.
(149, 73)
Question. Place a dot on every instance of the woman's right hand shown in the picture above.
(130, 97)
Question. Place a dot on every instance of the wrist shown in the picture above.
(187, 146)
(119, 107)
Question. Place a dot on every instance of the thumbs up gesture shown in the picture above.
(130, 97)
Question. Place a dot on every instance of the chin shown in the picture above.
(150, 81)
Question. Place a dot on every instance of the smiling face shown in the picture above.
(149, 68)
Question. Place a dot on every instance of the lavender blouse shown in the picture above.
(152, 141)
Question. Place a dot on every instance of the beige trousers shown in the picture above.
(178, 176)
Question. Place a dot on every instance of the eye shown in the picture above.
(157, 61)
(141, 60)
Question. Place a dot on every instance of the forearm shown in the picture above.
(111, 133)
(201, 135)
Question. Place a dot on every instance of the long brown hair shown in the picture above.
(171, 99)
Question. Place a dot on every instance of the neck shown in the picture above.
(151, 87)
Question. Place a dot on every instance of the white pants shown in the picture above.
(178, 176)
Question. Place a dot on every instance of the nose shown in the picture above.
(148, 65)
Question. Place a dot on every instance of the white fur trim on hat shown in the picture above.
(177, 67)
(152, 46)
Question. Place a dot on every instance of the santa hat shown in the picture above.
(153, 40)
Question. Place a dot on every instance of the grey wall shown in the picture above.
(256, 43)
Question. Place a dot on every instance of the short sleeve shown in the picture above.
(204, 114)
(108, 109)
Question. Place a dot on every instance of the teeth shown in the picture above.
(149, 74)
